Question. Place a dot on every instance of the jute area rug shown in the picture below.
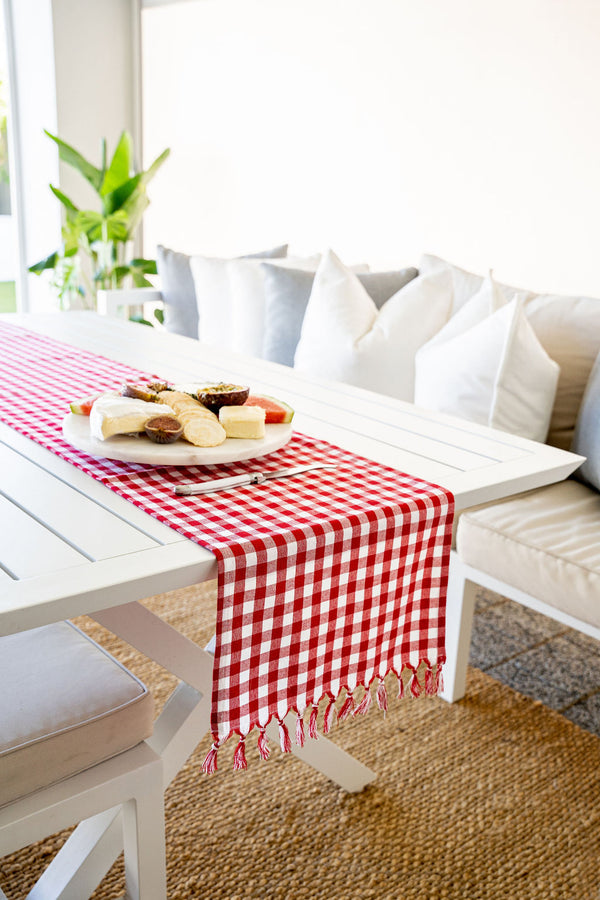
(492, 797)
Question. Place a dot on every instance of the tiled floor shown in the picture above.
(538, 657)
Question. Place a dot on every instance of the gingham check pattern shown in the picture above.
(327, 580)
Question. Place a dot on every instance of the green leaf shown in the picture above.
(92, 223)
(149, 174)
(134, 209)
(119, 169)
(48, 263)
(140, 280)
(159, 315)
(147, 266)
(64, 199)
(72, 210)
(140, 320)
(71, 156)
(121, 194)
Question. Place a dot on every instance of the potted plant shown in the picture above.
(93, 255)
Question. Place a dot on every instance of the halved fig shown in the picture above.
(139, 392)
(163, 429)
(214, 396)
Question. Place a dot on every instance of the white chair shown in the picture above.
(73, 723)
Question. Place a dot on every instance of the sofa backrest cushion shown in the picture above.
(568, 328)
(230, 295)
(346, 338)
(287, 292)
(586, 440)
(177, 287)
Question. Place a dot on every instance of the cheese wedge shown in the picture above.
(200, 426)
(112, 415)
(243, 421)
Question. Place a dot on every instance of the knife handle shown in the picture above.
(218, 484)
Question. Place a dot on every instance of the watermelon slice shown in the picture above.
(276, 411)
(83, 407)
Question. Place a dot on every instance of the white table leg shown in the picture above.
(327, 758)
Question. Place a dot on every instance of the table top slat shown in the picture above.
(29, 548)
(94, 531)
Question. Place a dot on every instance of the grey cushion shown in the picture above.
(65, 705)
(177, 287)
(586, 440)
(287, 292)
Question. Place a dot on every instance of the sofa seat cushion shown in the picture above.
(65, 705)
(543, 542)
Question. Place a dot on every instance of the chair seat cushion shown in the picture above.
(543, 542)
(65, 705)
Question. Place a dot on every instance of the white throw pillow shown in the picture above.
(495, 372)
(346, 338)
(230, 296)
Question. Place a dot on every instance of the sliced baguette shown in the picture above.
(200, 426)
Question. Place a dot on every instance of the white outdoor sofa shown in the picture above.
(541, 548)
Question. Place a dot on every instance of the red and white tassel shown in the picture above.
(284, 737)
(328, 718)
(439, 679)
(312, 722)
(364, 704)
(300, 731)
(382, 700)
(400, 687)
(239, 757)
(209, 766)
(263, 745)
(347, 707)
(415, 685)
(429, 682)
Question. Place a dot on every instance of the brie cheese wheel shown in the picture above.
(243, 421)
(112, 415)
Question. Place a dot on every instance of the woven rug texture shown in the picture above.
(492, 797)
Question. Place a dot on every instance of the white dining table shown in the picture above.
(71, 546)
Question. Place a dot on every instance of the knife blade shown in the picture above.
(221, 484)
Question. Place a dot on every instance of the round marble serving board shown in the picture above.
(140, 449)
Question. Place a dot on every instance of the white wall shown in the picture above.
(94, 51)
(383, 129)
(74, 72)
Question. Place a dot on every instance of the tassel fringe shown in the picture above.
(347, 707)
(209, 766)
(415, 686)
(284, 737)
(431, 683)
(312, 724)
(239, 757)
(382, 700)
(329, 714)
(364, 704)
(263, 745)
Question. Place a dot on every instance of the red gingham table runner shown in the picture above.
(327, 581)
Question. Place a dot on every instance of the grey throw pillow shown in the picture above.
(287, 292)
(586, 440)
(177, 287)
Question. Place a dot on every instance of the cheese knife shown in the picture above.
(221, 484)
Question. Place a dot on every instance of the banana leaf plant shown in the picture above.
(94, 242)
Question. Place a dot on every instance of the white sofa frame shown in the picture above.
(464, 583)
